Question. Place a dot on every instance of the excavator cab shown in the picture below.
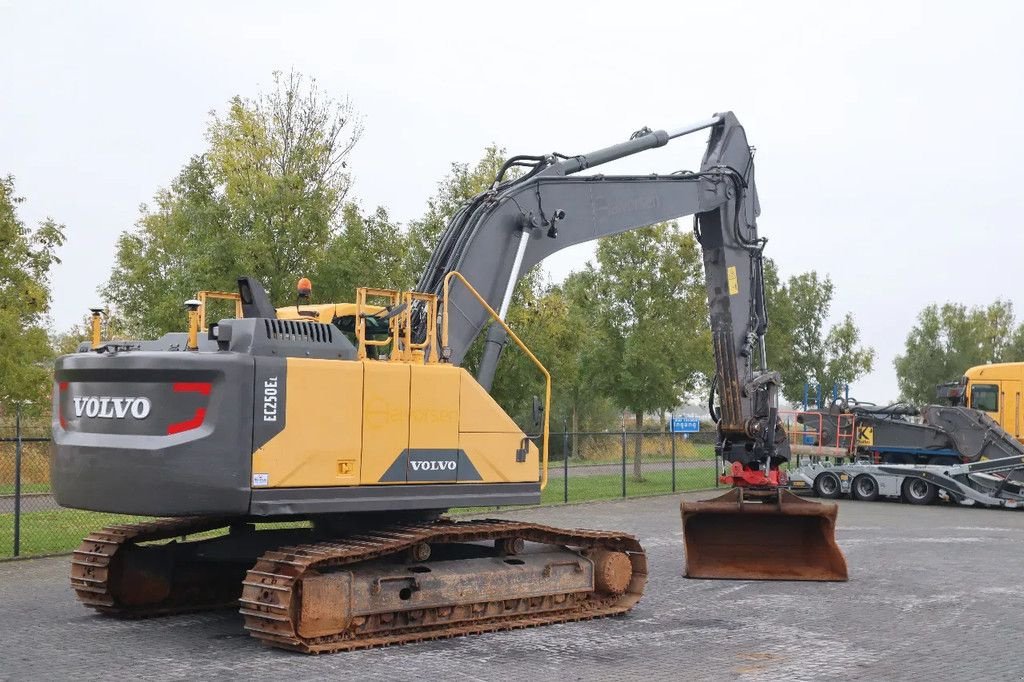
(770, 534)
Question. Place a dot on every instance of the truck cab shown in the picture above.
(996, 390)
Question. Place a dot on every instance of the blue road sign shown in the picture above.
(685, 424)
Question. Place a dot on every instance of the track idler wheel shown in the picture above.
(762, 535)
(612, 571)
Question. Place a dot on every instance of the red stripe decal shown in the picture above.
(194, 423)
(193, 387)
(202, 387)
(60, 408)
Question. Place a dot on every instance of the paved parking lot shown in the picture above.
(934, 593)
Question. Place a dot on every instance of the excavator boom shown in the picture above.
(501, 233)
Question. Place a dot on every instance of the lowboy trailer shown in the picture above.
(984, 483)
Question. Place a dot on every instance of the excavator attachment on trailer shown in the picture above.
(774, 535)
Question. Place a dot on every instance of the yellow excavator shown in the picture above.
(359, 421)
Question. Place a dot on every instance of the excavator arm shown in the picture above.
(499, 235)
(757, 530)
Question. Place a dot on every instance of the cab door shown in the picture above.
(1010, 410)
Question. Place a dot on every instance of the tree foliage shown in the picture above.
(463, 182)
(800, 346)
(26, 259)
(266, 198)
(949, 339)
(652, 342)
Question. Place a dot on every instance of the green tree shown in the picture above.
(799, 345)
(370, 251)
(266, 198)
(1014, 351)
(949, 339)
(581, 404)
(652, 343)
(68, 341)
(26, 259)
(558, 330)
(462, 183)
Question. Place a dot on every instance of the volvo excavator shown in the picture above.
(359, 421)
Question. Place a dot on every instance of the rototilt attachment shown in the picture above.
(762, 535)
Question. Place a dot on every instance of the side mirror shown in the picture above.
(538, 412)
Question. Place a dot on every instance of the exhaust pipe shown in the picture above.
(762, 535)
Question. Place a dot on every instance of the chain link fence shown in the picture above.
(582, 466)
(605, 465)
(26, 505)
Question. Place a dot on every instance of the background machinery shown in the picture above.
(968, 451)
(976, 418)
(901, 434)
(986, 482)
(280, 416)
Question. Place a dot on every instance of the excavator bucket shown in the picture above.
(750, 536)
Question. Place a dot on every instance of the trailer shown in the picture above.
(900, 434)
(987, 483)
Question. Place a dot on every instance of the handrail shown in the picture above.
(203, 296)
(395, 297)
(410, 348)
(522, 346)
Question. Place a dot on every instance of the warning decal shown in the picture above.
(734, 285)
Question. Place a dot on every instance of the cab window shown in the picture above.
(985, 397)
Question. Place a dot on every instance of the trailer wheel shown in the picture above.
(865, 488)
(826, 485)
(918, 491)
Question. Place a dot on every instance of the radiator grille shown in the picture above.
(299, 330)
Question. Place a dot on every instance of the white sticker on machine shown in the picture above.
(259, 480)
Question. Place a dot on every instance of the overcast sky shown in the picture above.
(889, 135)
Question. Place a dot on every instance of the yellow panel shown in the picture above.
(325, 312)
(734, 284)
(320, 444)
(434, 407)
(478, 411)
(494, 456)
(385, 417)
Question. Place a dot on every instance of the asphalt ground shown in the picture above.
(934, 593)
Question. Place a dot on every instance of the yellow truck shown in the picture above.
(995, 389)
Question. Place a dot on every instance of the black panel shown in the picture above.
(269, 391)
(285, 501)
(144, 466)
(255, 302)
(429, 465)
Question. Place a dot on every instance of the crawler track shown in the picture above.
(117, 572)
(272, 597)
(107, 575)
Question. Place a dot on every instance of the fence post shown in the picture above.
(718, 469)
(565, 461)
(623, 459)
(17, 480)
(672, 436)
